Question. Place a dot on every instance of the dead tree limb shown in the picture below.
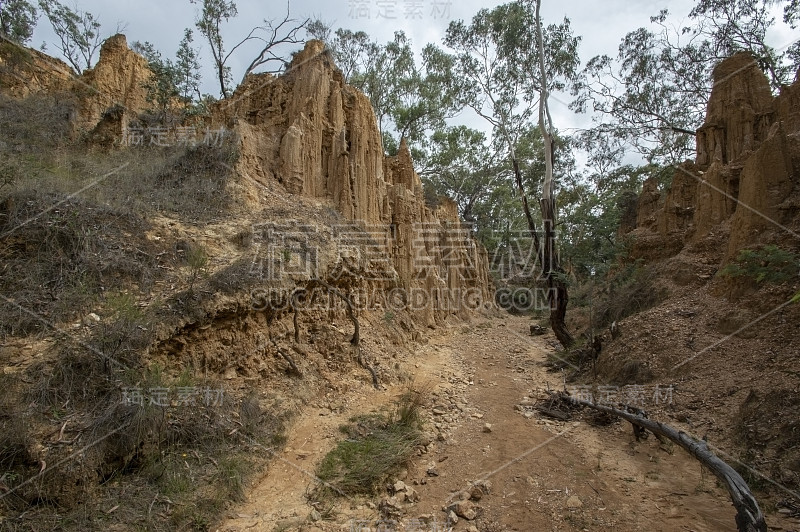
(355, 341)
(748, 515)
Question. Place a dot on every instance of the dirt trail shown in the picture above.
(544, 474)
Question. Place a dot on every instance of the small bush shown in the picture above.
(574, 357)
(58, 252)
(9, 173)
(15, 439)
(195, 185)
(16, 56)
(37, 123)
(633, 372)
(197, 258)
(769, 264)
(231, 472)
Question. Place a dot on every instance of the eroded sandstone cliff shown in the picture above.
(742, 189)
(115, 81)
(312, 135)
(318, 137)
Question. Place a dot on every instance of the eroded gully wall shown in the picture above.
(742, 188)
(318, 137)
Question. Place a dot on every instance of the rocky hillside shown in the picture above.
(726, 339)
(318, 137)
(174, 294)
(742, 188)
(233, 253)
(115, 81)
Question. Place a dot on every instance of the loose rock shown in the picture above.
(573, 503)
(390, 507)
(410, 495)
(465, 509)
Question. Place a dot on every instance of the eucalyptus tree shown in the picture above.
(173, 81)
(383, 77)
(653, 95)
(78, 33)
(353, 52)
(508, 63)
(734, 25)
(460, 163)
(161, 87)
(271, 36)
(187, 68)
(17, 20)
(411, 96)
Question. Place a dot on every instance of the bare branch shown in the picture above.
(276, 36)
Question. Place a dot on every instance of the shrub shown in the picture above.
(629, 291)
(57, 259)
(197, 258)
(38, 123)
(769, 264)
(9, 174)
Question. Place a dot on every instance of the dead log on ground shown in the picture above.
(555, 414)
(748, 515)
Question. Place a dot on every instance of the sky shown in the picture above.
(600, 24)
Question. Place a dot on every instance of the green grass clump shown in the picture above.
(377, 447)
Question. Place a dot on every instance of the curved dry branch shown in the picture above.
(748, 515)
(276, 35)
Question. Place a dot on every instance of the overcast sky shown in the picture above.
(601, 25)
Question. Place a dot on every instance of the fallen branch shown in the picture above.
(556, 414)
(748, 515)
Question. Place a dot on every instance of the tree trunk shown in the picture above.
(525, 207)
(557, 294)
(221, 74)
(551, 270)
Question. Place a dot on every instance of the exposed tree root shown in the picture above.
(294, 312)
(286, 356)
(363, 364)
(355, 341)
